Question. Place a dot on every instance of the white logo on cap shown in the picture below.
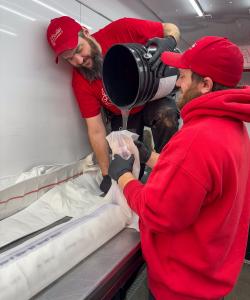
(56, 35)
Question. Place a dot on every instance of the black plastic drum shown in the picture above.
(127, 78)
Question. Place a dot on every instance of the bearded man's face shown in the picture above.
(86, 57)
(188, 88)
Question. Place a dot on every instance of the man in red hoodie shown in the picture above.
(194, 209)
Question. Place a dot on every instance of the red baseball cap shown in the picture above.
(212, 56)
(62, 34)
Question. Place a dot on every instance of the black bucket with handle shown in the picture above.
(128, 80)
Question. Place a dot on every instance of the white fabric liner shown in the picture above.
(76, 198)
(19, 195)
(10, 180)
(37, 202)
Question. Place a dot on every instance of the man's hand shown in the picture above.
(119, 166)
(144, 152)
(163, 44)
(105, 184)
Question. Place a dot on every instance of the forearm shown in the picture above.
(125, 179)
(100, 147)
(171, 29)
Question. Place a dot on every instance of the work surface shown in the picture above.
(101, 274)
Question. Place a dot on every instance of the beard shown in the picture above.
(95, 72)
(190, 94)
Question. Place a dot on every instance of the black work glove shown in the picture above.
(162, 44)
(118, 166)
(165, 71)
(105, 184)
(144, 152)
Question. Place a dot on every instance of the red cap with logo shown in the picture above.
(62, 34)
(211, 56)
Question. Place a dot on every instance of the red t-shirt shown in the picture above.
(90, 95)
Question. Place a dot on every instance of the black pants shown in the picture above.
(150, 296)
(160, 115)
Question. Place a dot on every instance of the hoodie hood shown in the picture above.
(234, 103)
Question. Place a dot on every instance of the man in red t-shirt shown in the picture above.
(84, 52)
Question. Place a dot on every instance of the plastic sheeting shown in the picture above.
(121, 142)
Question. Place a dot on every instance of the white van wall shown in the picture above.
(39, 119)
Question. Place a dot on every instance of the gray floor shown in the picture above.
(138, 290)
(242, 288)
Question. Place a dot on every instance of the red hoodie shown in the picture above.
(194, 209)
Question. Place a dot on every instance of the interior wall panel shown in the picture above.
(39, 119)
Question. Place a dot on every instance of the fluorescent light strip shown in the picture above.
(8, 32)
(49, 7)
(197, 8)
(56, 11)
(17, 13)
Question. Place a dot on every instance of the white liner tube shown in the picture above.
(30, 267)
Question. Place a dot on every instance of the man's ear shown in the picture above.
(206, 85)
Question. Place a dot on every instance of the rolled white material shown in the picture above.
(73, 199)
(30, 267)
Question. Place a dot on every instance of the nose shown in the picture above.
(77, 59)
